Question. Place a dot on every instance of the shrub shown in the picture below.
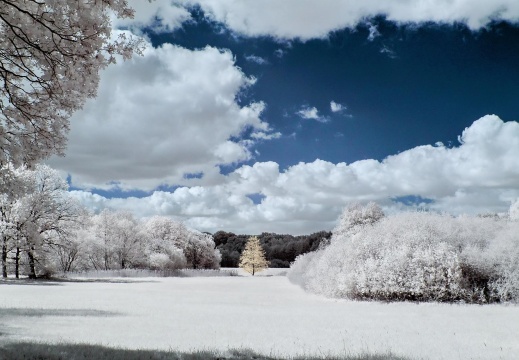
(417, 256)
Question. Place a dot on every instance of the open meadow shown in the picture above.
(266, 314)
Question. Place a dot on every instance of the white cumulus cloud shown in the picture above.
(156, 117)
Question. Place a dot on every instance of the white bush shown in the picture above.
(174, 260)
(514, 211)
(357, 216)
(503, 254)
(417, 256)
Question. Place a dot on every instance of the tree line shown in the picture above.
(280, 249)
(44, 230)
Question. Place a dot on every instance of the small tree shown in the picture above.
(253, 258)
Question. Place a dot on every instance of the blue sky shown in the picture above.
(275, 118)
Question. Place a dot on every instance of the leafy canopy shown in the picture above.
(51, 52)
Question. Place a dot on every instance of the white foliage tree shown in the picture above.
(252, 258)
(51, 52)
(200, 251)
(172, 238)
(514, 211)
(102, 247)
(43, 216)
(71, 254)
(502, 258)
(14, 185)
(326, 265)
(129, 248)
(163, 243)
(356, 216)
(116, 242)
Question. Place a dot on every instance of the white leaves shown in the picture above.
(355, 216)
(183, 246)
(51, 53)
(418, 256)
(37, 214)
(514, 210)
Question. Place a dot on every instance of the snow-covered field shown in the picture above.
(267, 314)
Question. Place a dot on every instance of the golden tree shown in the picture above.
(253, 258)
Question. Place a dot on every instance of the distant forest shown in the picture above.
(280, 250)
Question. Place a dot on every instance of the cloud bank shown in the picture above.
(306, 19)
(309, 19)
(478, 176)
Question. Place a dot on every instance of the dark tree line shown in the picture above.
(280, 249)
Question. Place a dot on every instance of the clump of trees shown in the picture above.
(37, 216)
(415, 256)
(252, 259)
(280, 249)
(44, 230)
(116, 240)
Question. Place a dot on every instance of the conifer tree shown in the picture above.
(253, 258)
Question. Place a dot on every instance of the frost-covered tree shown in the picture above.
(200, 251)
(51, 52)
(71, 252)
(129, 249)
(356, 216)
(253, 258)
(37, 215)
(166, 237)
(14, 185)
(514, 211)
(101, 247)
(116, 242)
(163, 239)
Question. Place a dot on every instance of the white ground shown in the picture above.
(267, 314)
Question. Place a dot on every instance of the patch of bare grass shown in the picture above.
(30, 351)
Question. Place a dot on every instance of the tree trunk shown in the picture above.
(253, 269)
(106, 260)
(32, 264)
(4, 257)
(17, 263)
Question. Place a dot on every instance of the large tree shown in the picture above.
(45, 216)
(51, 52)
(37, 216)
(163, 238)
(14, 185)
(200, 251)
